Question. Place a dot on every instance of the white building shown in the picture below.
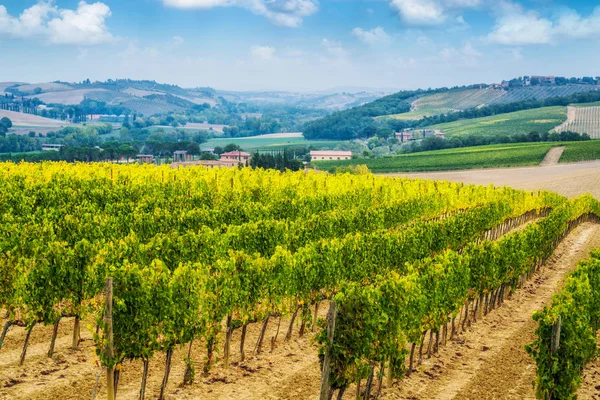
(318, 155)
(51, 147)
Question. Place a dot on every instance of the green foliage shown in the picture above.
(520, 122)
(402, 301)
(578, 305)
(280, 161)
(584, 151)
(493, 156)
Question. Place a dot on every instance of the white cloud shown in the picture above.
(429, 12)
(517, 26)
(335, 49)
(177, 41)
(84, 26)
(573, 25)
(420, 12)
(262, 53)
(466, 55)
(288, 13)
(374, 37)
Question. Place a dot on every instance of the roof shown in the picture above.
(330, 153)
(181, 152)
(236, 154)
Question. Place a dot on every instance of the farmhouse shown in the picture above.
(145, 158)
(406, 135)
(410, 135)
(330, 155)
(236, 156)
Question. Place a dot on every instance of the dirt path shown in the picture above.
(288, 372)
(571, 180)
(489, 361)
(590, 385)
(571, 114)
(553, 156)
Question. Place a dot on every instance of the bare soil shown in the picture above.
(590, 385)
(487, 361)
(571, 115)
(22, 119)
(553, 156)
(571, 180)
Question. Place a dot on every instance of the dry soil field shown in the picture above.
(28, 120)
(570, 180)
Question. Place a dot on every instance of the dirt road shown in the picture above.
(553, 156)
(570, 180)
(571, 115)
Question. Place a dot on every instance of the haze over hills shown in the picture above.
(150, 98)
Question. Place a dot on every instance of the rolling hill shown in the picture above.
(424, 108)
(149, 97)
(21, 120)
(520, 122)
(454, 101)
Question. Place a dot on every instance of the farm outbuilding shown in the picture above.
(181, 155)
(145, 158)
(236, 156)
(317, 155)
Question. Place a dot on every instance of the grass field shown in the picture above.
(272, 142)
(416, 115)
(494, 156)
(594, 104)
(581, 151)
(520, 122)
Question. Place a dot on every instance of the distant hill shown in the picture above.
(424, 108)
(150, 98)
(453, 101)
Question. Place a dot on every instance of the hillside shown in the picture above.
(453, 101)
(520, 122)
(150, 98)
(435, 106)
(582, 119)
(21, 120)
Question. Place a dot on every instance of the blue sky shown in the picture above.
(298, 44)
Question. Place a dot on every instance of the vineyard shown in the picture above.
(490, 156)
(152, 261)
(459, 100)
(582, 120)
(519, 122)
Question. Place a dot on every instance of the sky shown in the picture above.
(298, 45)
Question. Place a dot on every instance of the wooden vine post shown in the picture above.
(331, 316)
(555, 336)
(110, 371)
